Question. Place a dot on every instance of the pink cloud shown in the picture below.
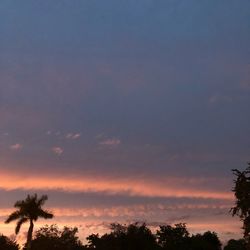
(16, 146)
(76, 136)
(111, 142)
(57, 150)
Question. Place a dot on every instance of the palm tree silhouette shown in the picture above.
(29, 210)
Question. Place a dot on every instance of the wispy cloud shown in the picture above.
(70, 135)
(16, 146)
(111, 142)
(57, 150)
(73, 136)
(136, 210)
(216, 98)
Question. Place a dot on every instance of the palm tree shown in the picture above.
(29, 210)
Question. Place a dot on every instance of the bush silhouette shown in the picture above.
(7, 244)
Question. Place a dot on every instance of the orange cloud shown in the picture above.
(169, 187)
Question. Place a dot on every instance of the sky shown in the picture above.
(125, 111)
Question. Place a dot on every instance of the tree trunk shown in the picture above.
(29, 236)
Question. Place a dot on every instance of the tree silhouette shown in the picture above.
(242, 204)
(207, 241)
(173, 237)
(236, 245)
(29, 210)
(177, 237)
(53, 238)
(124, 237)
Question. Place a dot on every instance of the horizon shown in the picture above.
(124, 111)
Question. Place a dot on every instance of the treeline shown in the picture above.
(135, 236)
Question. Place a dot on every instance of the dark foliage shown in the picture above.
(242, 204)
(172, 238)
(177, 238)
(52, 238)
(132, 237)
(236, 245)
(207, 241)
(7, 244)
(135, 236)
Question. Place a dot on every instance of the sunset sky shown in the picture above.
(124, 110)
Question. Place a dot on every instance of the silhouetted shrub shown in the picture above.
(7, 244)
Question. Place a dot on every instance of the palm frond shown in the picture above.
(45, 214)
(42, 200)
(19, 204)
(14, 216)
(19, 224)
